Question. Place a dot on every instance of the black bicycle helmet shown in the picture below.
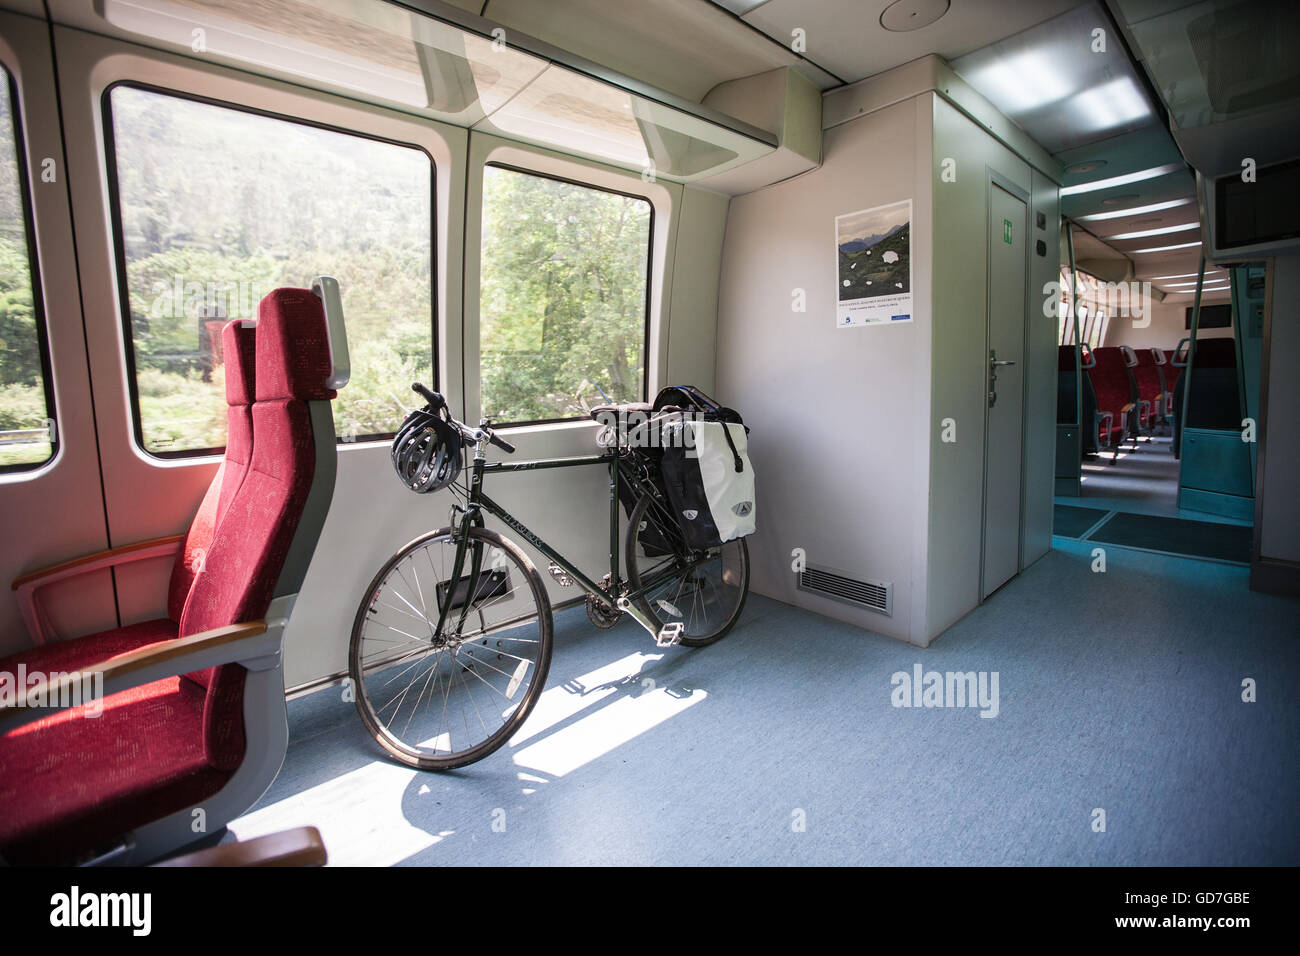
(427, 451)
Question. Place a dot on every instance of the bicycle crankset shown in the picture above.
(603, 614)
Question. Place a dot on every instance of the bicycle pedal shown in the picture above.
(561, 576)
(670, 634)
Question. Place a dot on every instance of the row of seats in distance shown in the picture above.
(1126, 393)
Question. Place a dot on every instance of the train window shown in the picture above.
(27, 432)
(214, 207)
(1093, 318)
(565, 296)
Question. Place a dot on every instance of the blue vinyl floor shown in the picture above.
(1118, 691)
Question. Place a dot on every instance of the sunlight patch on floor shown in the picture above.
(360, 816)
(562, 702)
(598, 733)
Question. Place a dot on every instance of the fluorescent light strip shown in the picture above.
(1207, 282)
(1181, 245)
(1135, 210)
(1162, 231)
(1124, 180)
(1185, 275)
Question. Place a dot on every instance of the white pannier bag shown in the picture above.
(709, 481)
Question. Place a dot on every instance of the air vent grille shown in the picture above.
(876, 595)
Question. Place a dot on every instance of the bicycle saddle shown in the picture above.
(621, 410)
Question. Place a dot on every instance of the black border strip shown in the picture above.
(119, 245)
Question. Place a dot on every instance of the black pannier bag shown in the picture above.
(651, 539)
(704, 464)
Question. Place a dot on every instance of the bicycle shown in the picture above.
(474, 654)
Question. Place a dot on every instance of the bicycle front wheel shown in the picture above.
(705, 590)
(436, 700)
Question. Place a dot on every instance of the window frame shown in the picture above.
(116, 238)
(34, 274)
(649, 284)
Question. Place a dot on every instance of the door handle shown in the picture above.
(994, 362)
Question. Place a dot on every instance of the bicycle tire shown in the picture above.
(736, 550)
(376, 724)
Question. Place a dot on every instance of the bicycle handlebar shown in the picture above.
(437, 402)
(430, 396)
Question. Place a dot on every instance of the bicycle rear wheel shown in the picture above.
(705, 590)
(439, 700)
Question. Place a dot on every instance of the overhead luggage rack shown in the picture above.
(438, 61)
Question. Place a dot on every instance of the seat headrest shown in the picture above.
(293, 347)
(239, 350)
(326, 288)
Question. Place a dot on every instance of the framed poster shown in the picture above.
(873, 252)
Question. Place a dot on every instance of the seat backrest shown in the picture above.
(291, 473)
(1147, 374)
(237, 345)
(1215, 398)
(1111, 380)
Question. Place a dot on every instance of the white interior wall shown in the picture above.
(1167, 326)
(693, 304)
(839, 417)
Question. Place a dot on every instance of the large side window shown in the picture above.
(565, 297)
(216, 206)
(27, 431)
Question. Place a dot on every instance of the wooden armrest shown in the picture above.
(163, 659)
(34, 616)
(1128, 408)
(298, 847)
(153, 548)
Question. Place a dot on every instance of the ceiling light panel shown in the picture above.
(1184, 245)
(1140, 176)
(1136, 210)
(1147, 233)
(1054, 82)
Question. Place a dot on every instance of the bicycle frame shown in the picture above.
(479, 502)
